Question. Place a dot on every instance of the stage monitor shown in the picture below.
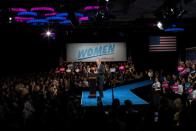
(88, 52)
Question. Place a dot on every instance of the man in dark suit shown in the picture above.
(100, 76)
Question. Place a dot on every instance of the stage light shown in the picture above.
(100, 15)
(107, 0)
(84, 18)
(51, 14)
(172, 10)
(65, 14)
(48, 33)
(10, 19)
(22, 19)
(77, 14)
(56, 18)
(174, 29)
(160, 25)
(28, 13)
(91, 7)
(66, 22)
(18, 9)
(38, 22)
(181, 12)
(43, 9)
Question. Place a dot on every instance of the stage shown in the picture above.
(121, 92)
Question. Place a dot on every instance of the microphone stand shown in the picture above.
(112, 85)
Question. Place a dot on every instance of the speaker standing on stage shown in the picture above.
(100, 76)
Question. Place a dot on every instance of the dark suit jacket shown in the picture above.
(100, 75)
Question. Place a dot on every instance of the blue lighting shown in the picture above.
(173, 25)
(27, 13)
(65, 14)
(57, 18)
(174, 29)
(38, 22)
(79, 14)
(66, 22)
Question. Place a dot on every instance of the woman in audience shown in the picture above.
(165, 85)
(156, 92)
(53, 97)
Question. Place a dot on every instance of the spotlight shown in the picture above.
(170, 13)
(100, 16)
(10, 19)
(107, 0)
(160, 25)
(172, 10)
(48, 33)
(181, 12)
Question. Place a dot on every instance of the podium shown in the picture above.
(92, 86)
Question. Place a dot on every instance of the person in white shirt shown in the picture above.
(194, 93)
(156, 92)
(180, 87)
(156, 85)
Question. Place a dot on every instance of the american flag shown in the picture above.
(162, 44)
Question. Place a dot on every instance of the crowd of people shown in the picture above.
(115, 72)
(174, 96)
(51, 100)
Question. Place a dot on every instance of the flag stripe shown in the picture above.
(167, 40)
(161, 50)
(171, 45)
(174, 37)
(162, 43)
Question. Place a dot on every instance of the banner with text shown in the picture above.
(111, 51)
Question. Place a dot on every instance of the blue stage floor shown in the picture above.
(122, 93)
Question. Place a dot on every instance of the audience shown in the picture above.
(51, 100)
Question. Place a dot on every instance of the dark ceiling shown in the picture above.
(120, 12)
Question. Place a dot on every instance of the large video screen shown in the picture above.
(109, 51)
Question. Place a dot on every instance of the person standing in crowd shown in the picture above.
(165, 85)
(100, 76)
(194, 93)
(156, 92)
